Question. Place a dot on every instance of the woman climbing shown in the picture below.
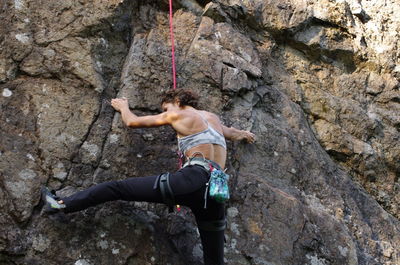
(201, 138)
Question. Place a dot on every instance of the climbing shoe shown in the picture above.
(51, 204)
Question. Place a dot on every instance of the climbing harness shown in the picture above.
(209, 166)
(217, 186)
(169, 197)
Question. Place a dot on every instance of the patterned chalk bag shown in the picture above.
(218, 185)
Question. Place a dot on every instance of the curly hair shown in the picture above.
(185, 97)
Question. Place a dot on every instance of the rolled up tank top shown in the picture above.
(208, 136)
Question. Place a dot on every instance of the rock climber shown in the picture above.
(201, 138)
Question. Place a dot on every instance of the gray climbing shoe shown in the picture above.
(51, 204)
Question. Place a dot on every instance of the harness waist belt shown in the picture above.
(205, 163)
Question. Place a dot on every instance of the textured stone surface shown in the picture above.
(317, 81)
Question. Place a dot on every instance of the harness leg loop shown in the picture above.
(213, 225)
(166, 191)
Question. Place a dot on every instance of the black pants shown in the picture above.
(188, 186)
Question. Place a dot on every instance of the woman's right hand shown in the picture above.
(248, 136)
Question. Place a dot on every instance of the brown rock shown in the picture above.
(317, 81)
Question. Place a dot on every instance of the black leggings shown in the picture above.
(188, 186)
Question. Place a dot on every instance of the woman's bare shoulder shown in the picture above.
(210, 114)
(213, 117)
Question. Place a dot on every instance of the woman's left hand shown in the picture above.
(120, 103)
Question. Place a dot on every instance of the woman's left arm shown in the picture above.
(132, 120)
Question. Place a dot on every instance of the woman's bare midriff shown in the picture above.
(212, 152)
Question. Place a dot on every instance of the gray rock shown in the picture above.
(316, 81)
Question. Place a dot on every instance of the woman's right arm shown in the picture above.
(234, 134)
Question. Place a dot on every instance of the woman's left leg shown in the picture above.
(131, 189)
(146, 189)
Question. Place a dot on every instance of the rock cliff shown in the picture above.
(317, 81)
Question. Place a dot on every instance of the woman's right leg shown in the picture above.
(189, 187)
(212, 241)
(131, 189)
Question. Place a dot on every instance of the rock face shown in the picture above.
(317, 81)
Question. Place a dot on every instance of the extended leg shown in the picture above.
(132, 189)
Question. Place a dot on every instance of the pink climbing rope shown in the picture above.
(171, 29)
